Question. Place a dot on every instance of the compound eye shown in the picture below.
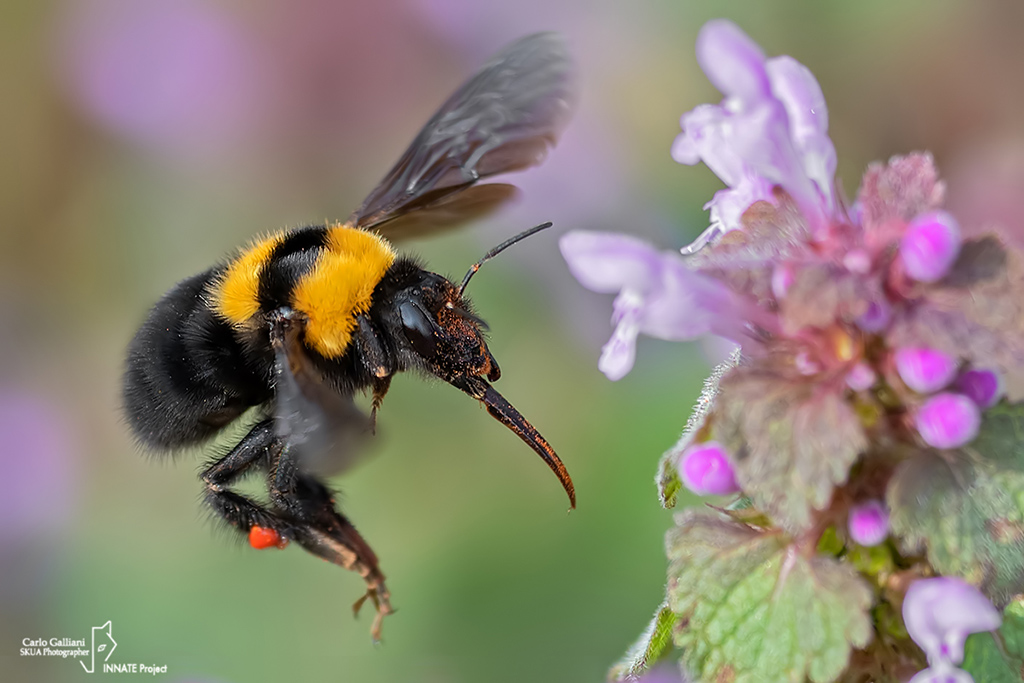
(418, 328)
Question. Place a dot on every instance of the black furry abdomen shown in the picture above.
(187, 375)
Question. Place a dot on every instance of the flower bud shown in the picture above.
(930, 246)
(948, 420)
(869, 523)
(925, 370)
(984, 387)
(706, 470)
(857, 261)
(861, 377)
(876, 318)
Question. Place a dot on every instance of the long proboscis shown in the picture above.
(505, 413)
(498, 249)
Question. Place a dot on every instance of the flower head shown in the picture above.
(939, 614)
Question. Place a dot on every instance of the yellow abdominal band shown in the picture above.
(236, 292)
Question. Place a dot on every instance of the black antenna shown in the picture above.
(498, 249)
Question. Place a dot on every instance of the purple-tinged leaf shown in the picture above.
(822, 294)
(792, 442)
(977, 313)
(899, 191)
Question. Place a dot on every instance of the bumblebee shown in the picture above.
(296, 325)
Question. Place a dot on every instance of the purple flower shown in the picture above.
(771, 129)
(939, 614)
(38, 454)
(984, 387)
(861, 377)
(869, 523)
(948, 420)
(176, 75)
(930, 245)
(657, 294)
(705, 469)
(925, 370)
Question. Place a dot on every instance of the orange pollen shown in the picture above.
(261, 538)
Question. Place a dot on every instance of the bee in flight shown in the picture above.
(298, 323)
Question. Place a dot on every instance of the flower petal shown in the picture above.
(686, 304)
(732, 61)
(608, 262)
(618, 355)
(940, 613)
(795, 86)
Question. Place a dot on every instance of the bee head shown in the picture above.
(445, 336)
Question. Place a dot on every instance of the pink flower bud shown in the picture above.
(925, 370)
(869, 523)
(861, 377)
(930, 246)
(857, 261)
(706, 470)
(876, 318)
(948, 420)
(984, 387)
(782, 279)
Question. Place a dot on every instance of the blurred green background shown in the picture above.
(142, 140)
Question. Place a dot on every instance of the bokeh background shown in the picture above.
(142, 140)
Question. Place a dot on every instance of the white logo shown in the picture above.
(97, 648)
(102, 646)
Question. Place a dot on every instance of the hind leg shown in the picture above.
(326, 533)
(302, 509)
(258, 448)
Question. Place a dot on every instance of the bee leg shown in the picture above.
(376, 361)
(326, 533)
(380, 389)
(256, 448)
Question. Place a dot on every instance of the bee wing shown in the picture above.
(322, 426)
(504, 118)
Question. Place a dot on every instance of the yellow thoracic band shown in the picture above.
(340, 287)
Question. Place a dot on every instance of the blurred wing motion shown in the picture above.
(505, 118)
(322, 426)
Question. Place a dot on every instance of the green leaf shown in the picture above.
(756, 609)
(792, 441)
(653, 644)
(998, 659)
(966, 507)
(667, 479)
